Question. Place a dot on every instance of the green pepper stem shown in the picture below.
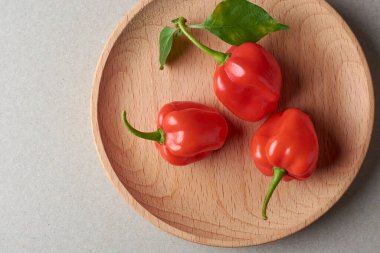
(158, 135)
(198, 26)
(218, 56)
(278, 173)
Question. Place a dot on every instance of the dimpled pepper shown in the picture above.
(187, 132)
(249, 82)
(286, 147)
(247, 79)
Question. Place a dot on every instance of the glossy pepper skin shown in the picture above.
(286, 147)
(249, 82)
(187, 132)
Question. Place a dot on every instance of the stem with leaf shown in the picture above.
(233, 21)
(218, 56)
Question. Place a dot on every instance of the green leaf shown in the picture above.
(166, 43)
(239, 21)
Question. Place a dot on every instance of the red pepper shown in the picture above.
(247, 78)
(187, 132)
(285, 146)
(249, 82)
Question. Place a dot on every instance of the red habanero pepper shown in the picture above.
(247, 79)
(187, 132)
(249, 82)
(285, 146)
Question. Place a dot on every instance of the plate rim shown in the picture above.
(137, 207)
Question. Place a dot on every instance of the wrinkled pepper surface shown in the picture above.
(187, 132)
(286, 147)
(249, 82)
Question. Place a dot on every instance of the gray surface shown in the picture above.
(54, 195)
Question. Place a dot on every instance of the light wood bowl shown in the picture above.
(218, 201)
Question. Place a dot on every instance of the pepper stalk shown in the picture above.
(278, 173)
(158, 135)
(219, 57)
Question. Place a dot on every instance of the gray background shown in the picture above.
(54, 194)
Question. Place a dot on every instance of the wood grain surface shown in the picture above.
(218, 201)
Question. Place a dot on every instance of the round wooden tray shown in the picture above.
(217, 201)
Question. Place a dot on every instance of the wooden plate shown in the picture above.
(217, 201)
